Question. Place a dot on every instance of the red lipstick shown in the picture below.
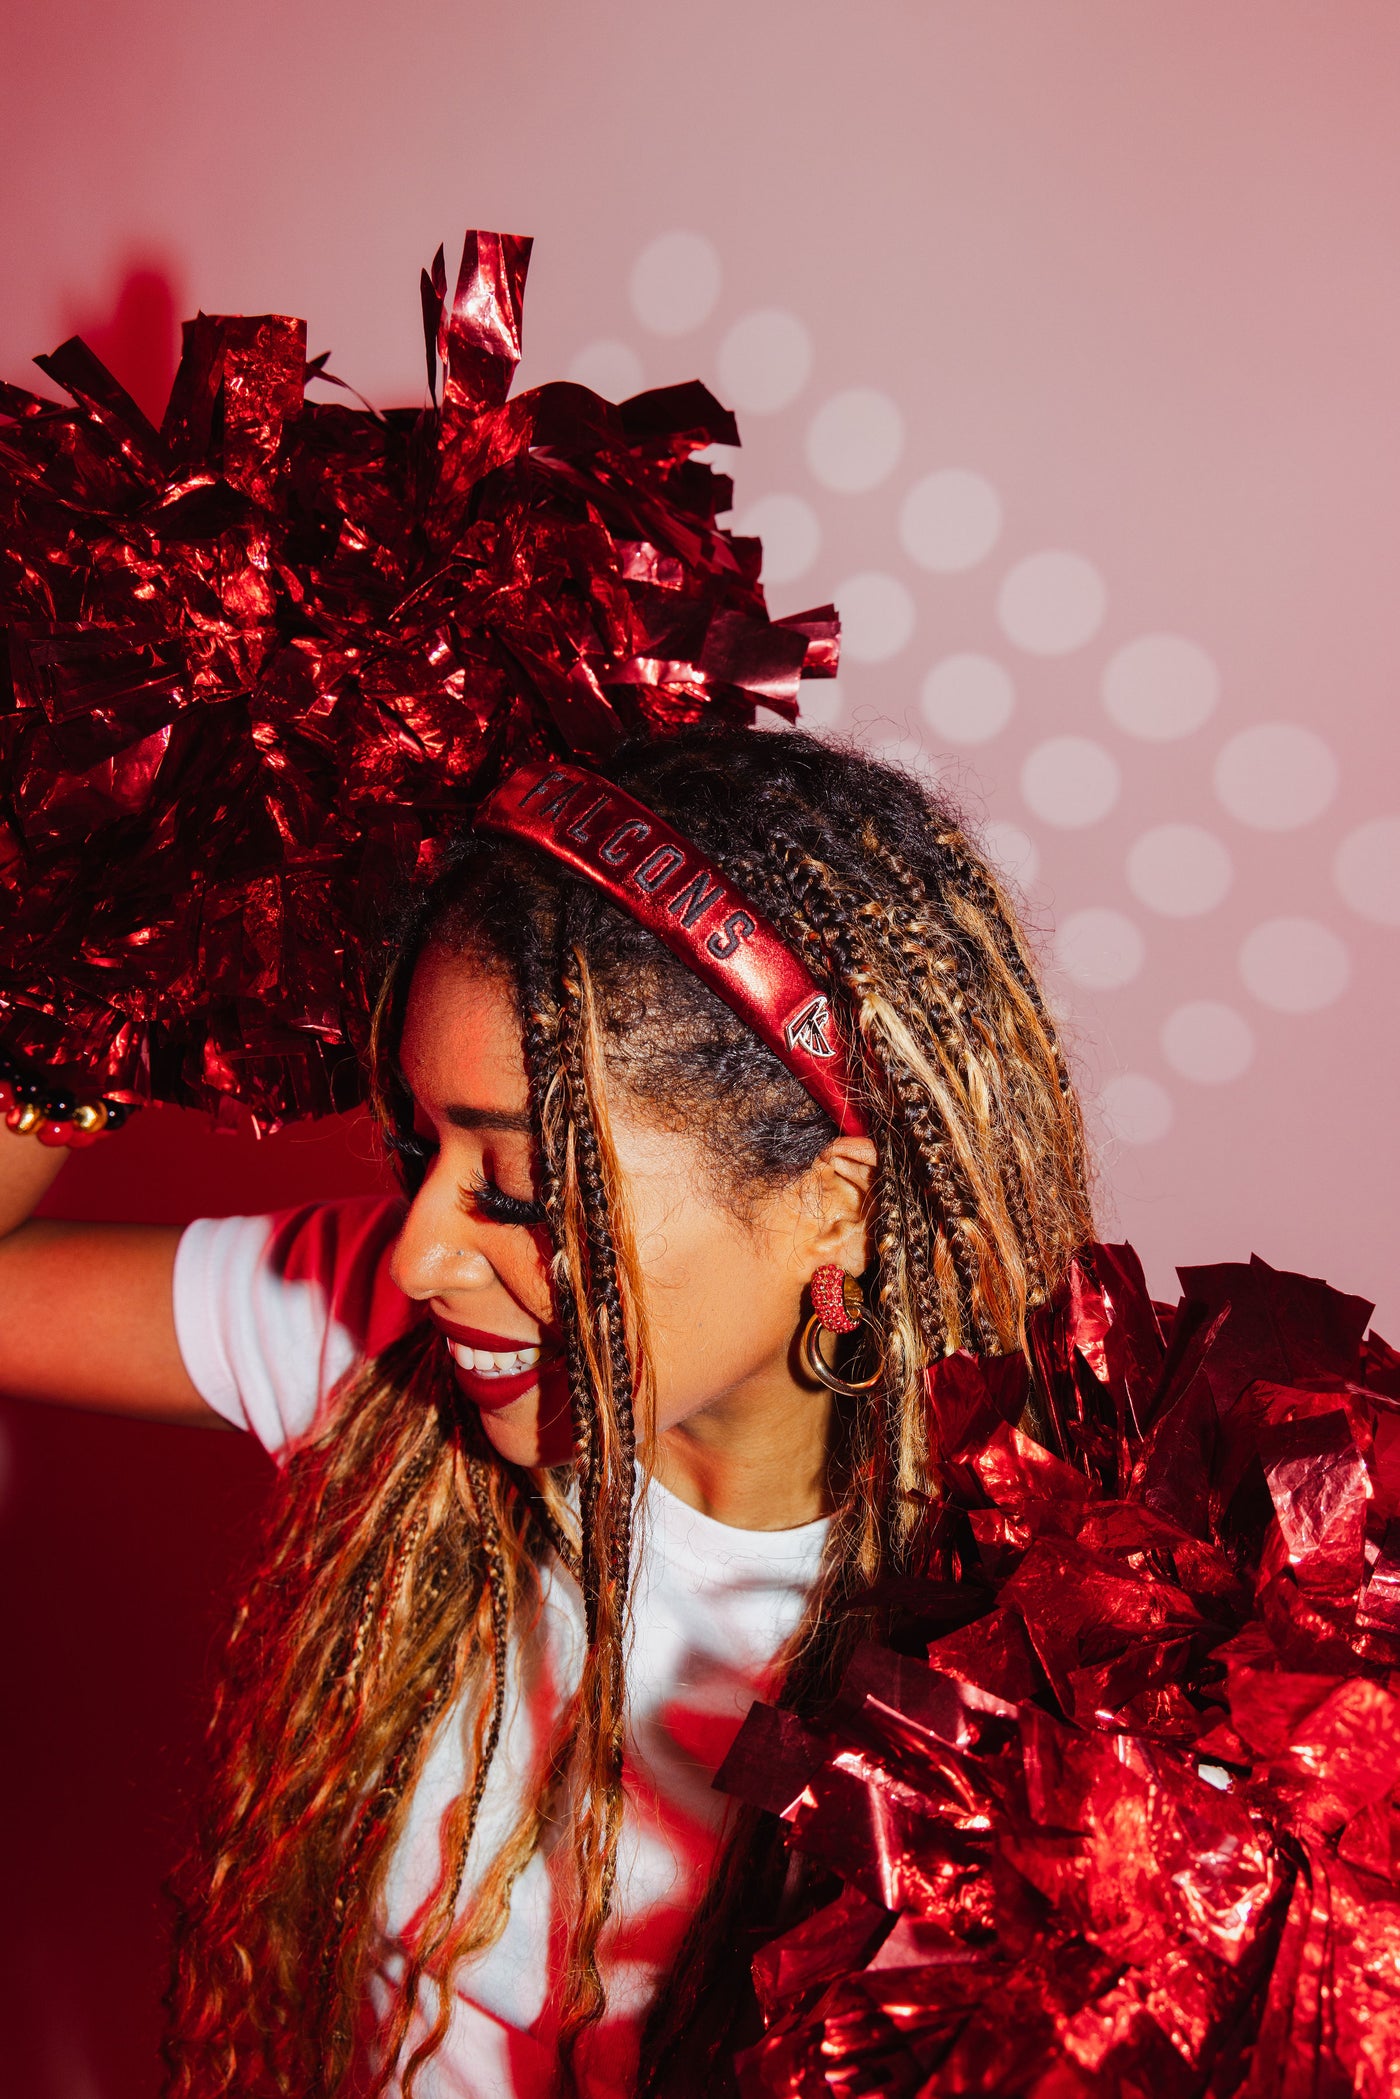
(491, 1389)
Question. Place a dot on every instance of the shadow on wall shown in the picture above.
(137, 337)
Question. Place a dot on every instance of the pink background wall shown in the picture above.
(1065, 342)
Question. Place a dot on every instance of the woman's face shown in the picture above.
(723, 1295)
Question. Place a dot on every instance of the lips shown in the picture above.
(492, 1369)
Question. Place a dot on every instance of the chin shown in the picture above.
(524, 1436)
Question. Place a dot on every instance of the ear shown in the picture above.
(840, 1182)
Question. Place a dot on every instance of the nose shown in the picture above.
(434, 1253)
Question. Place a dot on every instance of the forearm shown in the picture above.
(28, 1170)
(85, 1309)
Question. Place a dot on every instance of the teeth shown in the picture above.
(488, 1363)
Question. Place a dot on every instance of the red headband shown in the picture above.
(668, 886)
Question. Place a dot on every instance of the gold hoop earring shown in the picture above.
(839, 1308)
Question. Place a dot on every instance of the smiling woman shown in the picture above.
(607, 1165)
(561, 1493)
(738, 1341)
(473, 1252)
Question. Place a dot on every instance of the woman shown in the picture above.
(1046, 1636)
(470, 1718)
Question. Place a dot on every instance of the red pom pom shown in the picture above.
(263, 660)
(1117, 1809)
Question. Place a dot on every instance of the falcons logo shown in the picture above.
(809, 1028)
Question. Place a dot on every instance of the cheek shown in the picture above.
(524, 1269)
(520, 1261)
(722, 1302)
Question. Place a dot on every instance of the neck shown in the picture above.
(756, 1462)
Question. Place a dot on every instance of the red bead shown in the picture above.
(829, 1300)
(55, 1133)
(7, 1096)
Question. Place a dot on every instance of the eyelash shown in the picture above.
(499, 1208)
(414, 1153)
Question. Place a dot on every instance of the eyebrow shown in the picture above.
(466, 1118)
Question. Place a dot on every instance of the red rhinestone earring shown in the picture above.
(838, 1307)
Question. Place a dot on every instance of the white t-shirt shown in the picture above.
(271, 1312)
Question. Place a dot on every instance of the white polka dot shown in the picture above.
(877, 616)
(1070, 782)
(764, 361)
(611, 369)
(968, 698)
(1160, 686)
(1136, 1109)
(950, 521)
(1099, 949)
(1294, 965)
(1051, 603)
(854, 440)
(820, 702)
(1276, 776)
(909, 754)
(1367, 870)
(675, 283)
(723, 458)
(1207, 1042)
(1011, 851)
(1179, 870)
(790, 533)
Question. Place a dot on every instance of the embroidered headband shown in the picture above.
(669, 886)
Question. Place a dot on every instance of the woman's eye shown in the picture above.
(499, 1208)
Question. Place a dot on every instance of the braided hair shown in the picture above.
(404, 1554)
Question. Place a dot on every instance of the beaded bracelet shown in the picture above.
(52, 1113)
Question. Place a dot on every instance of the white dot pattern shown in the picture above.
(1070, 782)
(1136, 1108)
(950, 521)
(1160, 687)
(1294, 965)
(854, 440)
(612, 369)
(1052, 603)
(1276, 776)
(823, 703)
(1185, 837)
(1099, 948)
(1180, 870)
(1208, 1042)
(790, 532)
(676, 283)
(967, 698)
(877, 616)
(1367, 870)
(764, 361)
(1011, 851)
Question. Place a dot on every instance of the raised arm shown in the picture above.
(86, 1315)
